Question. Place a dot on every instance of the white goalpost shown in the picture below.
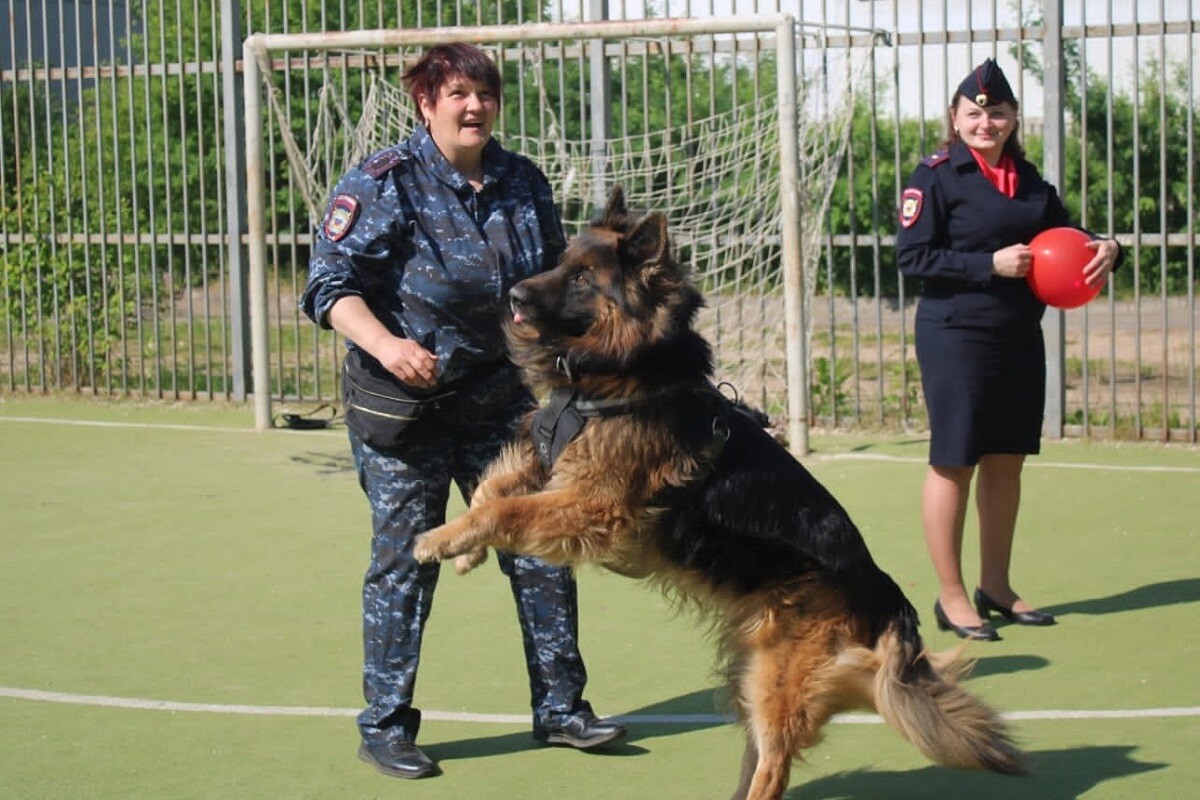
(745, 189)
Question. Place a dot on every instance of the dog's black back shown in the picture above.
(758, 518)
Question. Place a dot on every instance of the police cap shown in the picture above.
(987, 86)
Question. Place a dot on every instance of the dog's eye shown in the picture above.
(580, 278)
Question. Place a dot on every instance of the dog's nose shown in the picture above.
(518, 296)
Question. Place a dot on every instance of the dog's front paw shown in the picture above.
(431, 547)
(470, 560)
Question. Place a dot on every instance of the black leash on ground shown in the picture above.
(308, 421)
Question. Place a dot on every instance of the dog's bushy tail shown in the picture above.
(919, 695)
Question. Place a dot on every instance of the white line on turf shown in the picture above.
(518, 719)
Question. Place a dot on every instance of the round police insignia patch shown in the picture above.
(910, 206)
(343, 211)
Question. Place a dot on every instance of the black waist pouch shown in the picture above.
(377, 406)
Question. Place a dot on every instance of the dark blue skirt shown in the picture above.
(985, 389)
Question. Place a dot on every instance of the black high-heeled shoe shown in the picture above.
(982, 633)
(986, 605)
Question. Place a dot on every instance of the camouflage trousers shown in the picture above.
(408, 492)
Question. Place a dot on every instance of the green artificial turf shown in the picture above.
(169, 553)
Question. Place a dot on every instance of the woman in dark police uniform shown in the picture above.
(966, 218)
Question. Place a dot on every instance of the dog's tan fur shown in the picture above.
(798, 648)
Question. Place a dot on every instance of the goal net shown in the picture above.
(693, 132)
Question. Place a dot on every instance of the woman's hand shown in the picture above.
(1095, 272)
(408, 361)
(404, 358)
(1013, 261)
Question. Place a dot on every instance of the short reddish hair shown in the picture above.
(443, 62)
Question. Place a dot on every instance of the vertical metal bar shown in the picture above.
(1190, 230)
(12, 145)
(167, 279)
(851, 99)
(601, 107)
(31, 219)
(252, 200)
(68, 174)
(1053, 324)
(877, 226)
(921, 75)
(1085, 221)
(280, 113)
(118, 188)
(279, 241)
(134, 194)
(792, 251)
(201, 349)
(238, 174)
(102, 186)
(155, 336)
(57, 250)
(1138, 421)
(88, 346)
(216, 363)
(191, 211)
(1110, 194)
(899, 178)
(1163, 196)
(832, 376)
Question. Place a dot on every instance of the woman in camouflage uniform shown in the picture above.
(412, 264)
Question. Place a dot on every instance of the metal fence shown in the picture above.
(122, 175)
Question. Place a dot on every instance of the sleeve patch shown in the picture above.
(343, 212)
(910, 206)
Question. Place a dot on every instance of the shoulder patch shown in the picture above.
(379, 164)
(910, 206)
(940, 157)
(343, 212)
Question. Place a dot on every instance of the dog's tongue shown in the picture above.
(517, 318)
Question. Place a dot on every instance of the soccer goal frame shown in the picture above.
(258, 48)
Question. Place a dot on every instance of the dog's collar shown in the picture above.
(613, 406)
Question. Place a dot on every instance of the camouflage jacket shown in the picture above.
(432, 258)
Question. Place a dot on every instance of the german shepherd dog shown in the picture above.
(638, 463)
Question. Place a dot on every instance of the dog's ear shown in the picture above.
(647, 242)
(614, 212)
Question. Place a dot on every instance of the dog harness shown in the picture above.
(564, 415)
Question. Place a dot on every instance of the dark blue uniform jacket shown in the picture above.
(432, 258)
(961, 220)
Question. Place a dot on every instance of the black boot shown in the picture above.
(582, 730)
(393, 751)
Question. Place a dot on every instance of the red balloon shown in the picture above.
(1056, 274)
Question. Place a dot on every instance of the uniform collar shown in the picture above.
(960, 155)
(496, 161)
